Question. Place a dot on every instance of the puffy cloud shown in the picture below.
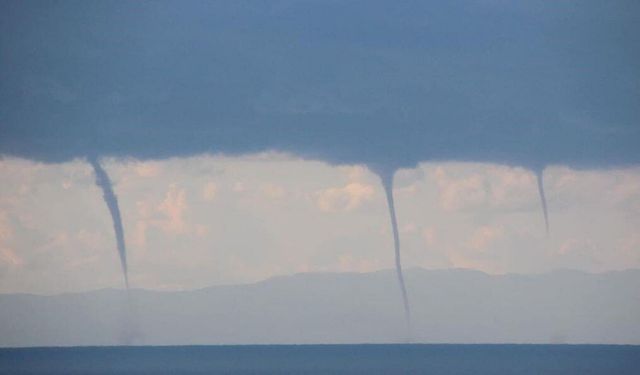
(580, 253)
(511, 187)
(9, 257)
(408, 228)
(485, 236)
(631, 245)
(406, 180)
(616, 189)
(201, 230)
(239, 187)
(5, 229)
(209, 191)
(168, 214)
(346, 198)
(429, 236)
(174, 207)
(450, 214)
(355, 173)
(485, 186)
(7, 254)
(459, 193)
(273, 192)
(573, 245)
(139, 236)
(147, 169)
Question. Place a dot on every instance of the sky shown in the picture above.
(213, 219)
(524, 83)
(248, 139)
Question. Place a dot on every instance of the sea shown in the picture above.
(325, 359)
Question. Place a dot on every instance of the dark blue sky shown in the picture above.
(377, 82)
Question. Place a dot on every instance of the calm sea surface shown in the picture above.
(320, 359)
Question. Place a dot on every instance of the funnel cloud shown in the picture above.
(386, 176)
(104, 182)
(543, 199)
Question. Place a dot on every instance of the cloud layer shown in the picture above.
(359, 82)
(206, 220)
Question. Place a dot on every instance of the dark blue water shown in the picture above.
(320, 359)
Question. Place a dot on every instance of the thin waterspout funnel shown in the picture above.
(104, 182)
(543, 199)
(386, 175)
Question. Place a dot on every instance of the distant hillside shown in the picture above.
(448, 306)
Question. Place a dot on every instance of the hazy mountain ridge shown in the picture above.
(447, 306)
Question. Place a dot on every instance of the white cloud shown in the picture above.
(174, 207)
(484, 186)
(346, 198)
(511, 187)
(147, 169)
(485, 236)
(7, 255)
(450, 214)
(460, 193)
(429, 235)
(355, 173)
(209, 191)
(408, 228)
(615, 189)
(273, 192)
(239, 187)
(139, 236)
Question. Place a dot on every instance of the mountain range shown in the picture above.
(447, 306)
